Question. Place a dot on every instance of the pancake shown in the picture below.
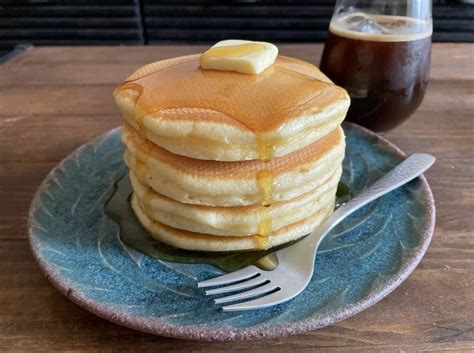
(228, 116)
(233, 221)
(242, 183)
(205, 242)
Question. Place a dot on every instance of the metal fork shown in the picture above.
(296, 263)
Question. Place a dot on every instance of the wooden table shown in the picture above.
(54, 99)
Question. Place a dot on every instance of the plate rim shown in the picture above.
(157, 326)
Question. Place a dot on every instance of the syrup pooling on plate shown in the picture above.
(260, 102)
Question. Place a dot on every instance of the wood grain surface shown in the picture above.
(54, 99)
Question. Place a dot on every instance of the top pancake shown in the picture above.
(228, 116)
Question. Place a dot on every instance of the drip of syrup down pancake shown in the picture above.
(265, 181)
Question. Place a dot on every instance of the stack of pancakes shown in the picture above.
(224, 161)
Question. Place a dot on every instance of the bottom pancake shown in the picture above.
(233, 221)
(204, 242)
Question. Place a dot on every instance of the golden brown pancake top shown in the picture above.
(287, 89)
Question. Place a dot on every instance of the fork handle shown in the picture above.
(409, 169)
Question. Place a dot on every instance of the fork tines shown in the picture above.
(249, 278)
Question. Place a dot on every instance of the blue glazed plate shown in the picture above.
(364, 259)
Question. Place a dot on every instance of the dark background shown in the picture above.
(109, 22)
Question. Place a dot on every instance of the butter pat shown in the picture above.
(242, 56)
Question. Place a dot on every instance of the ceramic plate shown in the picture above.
(360, 262)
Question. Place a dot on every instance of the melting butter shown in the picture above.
(232, 51)
(239, 55)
